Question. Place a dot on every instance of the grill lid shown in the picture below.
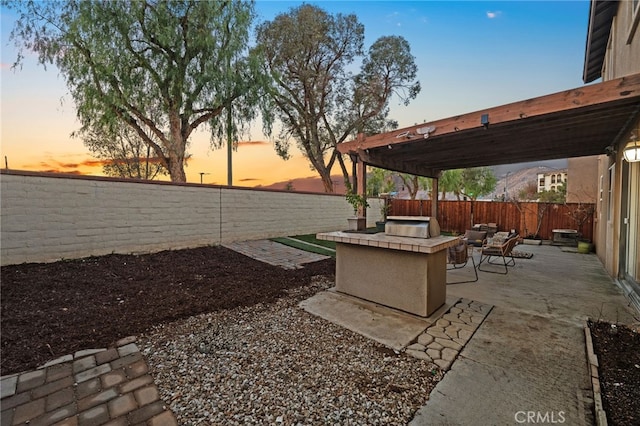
(412, 226)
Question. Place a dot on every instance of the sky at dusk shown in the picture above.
(471, 55)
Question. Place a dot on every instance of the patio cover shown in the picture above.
(588, 120)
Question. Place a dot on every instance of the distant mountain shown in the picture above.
(519, 175)
(511, 184)
(308, 184)
(501, 171)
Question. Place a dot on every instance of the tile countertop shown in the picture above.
(418, 245)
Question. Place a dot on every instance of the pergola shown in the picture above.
(588, 120)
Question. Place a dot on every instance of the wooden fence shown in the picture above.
(526, 218)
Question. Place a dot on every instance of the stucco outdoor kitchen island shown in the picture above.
(400, 272)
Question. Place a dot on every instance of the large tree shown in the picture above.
(162, 67)
(478, 181)
(450, 181)
(415, 183)
(380, 181)
(320, 103)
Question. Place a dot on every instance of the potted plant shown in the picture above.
(385, 207)
(584, 246)
(580, 213)
(357, 201)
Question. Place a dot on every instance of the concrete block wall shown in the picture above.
(47, 217)
(251, 214)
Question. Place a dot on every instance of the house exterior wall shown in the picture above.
(46, 217)
(623, 51)
(612, 224)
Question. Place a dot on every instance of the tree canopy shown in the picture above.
(320, 103)
(123, 154)
(478, 181)
(415, 183)
(380, 181)
(450, 181)
(530, 192)
(163, 68)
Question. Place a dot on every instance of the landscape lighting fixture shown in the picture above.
(426, 131)
(407, 135)
(632, 149)
(484, 120)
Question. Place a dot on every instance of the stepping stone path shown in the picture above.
(276, 254)
(442, 342)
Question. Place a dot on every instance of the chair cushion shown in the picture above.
(499, 238)
(475, 238)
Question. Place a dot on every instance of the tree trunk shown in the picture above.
(176, 170)
(345, 172)
(176, 148)
(323, 171)
(325, 175)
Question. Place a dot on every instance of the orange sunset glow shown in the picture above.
(39, 119)
(253, 164)
(38, 122)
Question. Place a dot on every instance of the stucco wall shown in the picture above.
(47, 217)
(582, 182)
(622, 58)
(623, 53)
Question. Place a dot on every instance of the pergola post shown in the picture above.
(434, 197)
(359, 173)
(361, 185)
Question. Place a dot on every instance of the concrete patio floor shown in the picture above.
(528, 357)
(526, 360)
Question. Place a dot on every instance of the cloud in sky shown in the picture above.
(411, 16)
(69, 172)
(90, 166)
(493, 15)
(56, 166)
(253, 143)
(395, 19)
(250, 179)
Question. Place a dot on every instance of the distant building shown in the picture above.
(551, 181)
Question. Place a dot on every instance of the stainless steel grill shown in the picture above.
(412, 226)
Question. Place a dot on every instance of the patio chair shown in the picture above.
(457, 258)
(498, 249)
(475, 238)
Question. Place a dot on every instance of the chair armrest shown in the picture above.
(496, 248)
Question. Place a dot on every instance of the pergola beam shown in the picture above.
(561, 104)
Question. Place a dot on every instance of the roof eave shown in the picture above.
(601, 13)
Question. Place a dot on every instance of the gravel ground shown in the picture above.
(275, 363)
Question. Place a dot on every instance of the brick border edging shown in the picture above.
(94, 386)
(592, 360)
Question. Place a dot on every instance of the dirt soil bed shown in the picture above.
(618, 351)
(53, 309)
